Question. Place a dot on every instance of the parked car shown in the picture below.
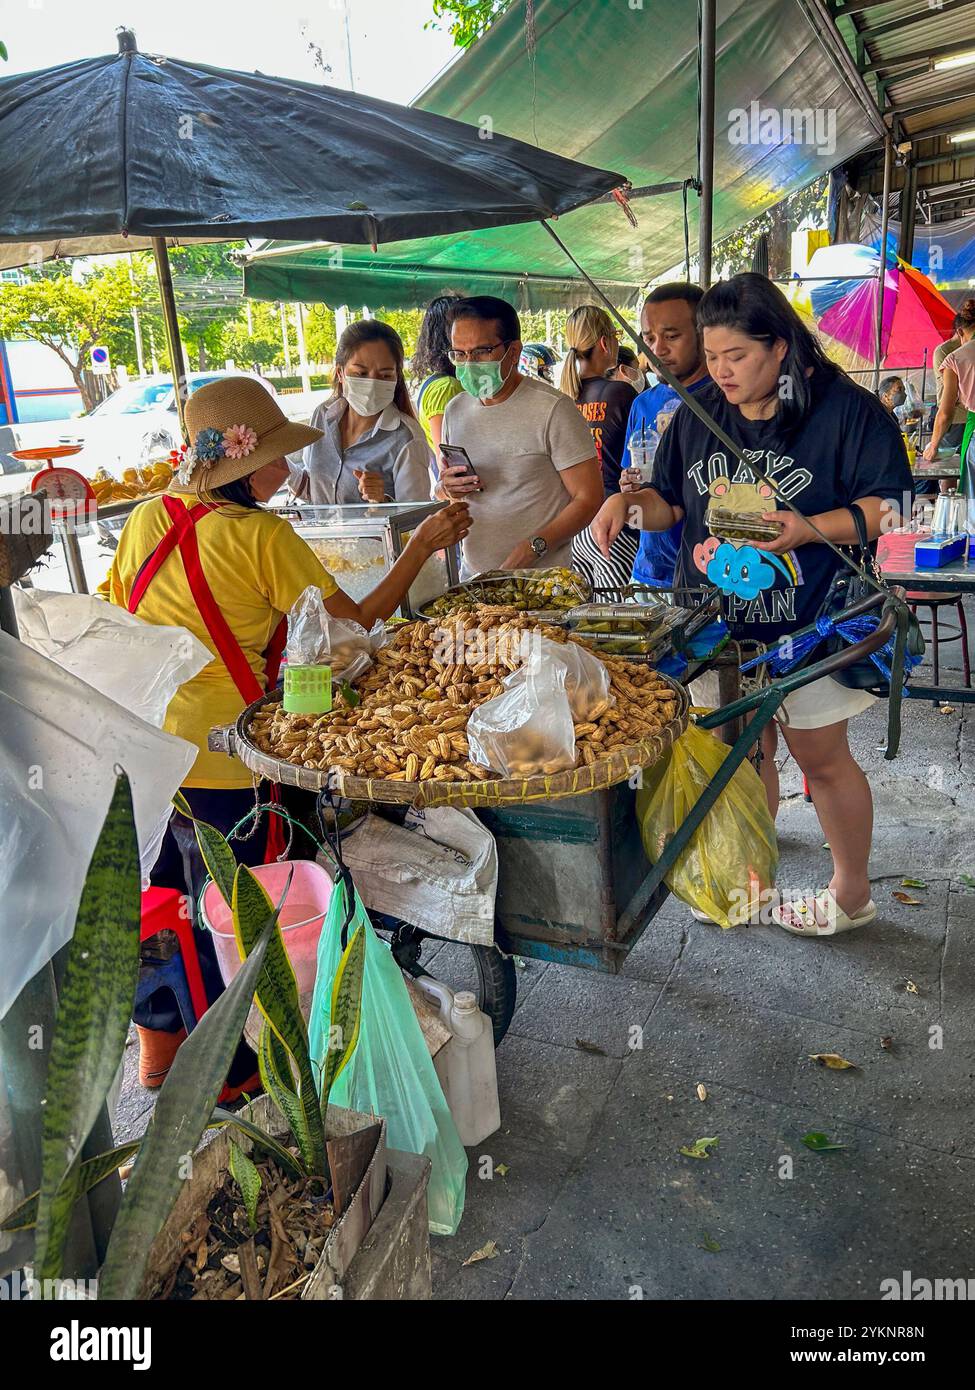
(135, 425)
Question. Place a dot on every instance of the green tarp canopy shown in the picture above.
(612, 83)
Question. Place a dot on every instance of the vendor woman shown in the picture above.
(370, 446)
(206, 556)
(824, 443)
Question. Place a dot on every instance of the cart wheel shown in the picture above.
(490, 975)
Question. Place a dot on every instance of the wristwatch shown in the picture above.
(539, 544)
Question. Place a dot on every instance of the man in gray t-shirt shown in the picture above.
(537, 481)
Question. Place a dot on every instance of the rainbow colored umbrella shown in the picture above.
(915, 316)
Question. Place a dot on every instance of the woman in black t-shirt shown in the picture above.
(593, 345)
(824, 443)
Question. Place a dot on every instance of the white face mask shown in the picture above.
(366, 395)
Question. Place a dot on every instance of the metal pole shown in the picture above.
(882, 268)
(174, 343)
(707, 12)
(302, 356)
(285, 341)
(139, 352)
(73, 558)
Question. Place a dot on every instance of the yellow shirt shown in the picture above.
(256, 566)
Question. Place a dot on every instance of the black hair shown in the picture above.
(888, 383)
(491, 310)
(376, 331)
(238, 492)
(433, 341)
(626, 357)
(675, 289)
(965, 318)
(751, 304)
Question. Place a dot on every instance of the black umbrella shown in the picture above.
(129, 150)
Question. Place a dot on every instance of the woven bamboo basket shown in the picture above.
(577, 781)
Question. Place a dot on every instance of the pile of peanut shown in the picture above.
(411, 720)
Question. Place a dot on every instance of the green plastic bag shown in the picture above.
(390, 1072)
(728, 869)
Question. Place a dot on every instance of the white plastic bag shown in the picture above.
(60, 741)
(528, 729)
(316, 638)
(438, 871)
(137, 664)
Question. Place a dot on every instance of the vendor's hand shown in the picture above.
(522, 558)
(930, 452)
(795, 531)
(631, 480)
(444, 528)
(609, 521)
(457, 483)
(372, 486)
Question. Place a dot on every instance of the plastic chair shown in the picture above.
(935, 601)
(163, 910)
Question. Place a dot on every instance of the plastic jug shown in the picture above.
(465, 1066)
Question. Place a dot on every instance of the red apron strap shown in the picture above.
(156, 558)
(273, 653)
(183, 533)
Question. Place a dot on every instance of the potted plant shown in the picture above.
(263, 1183)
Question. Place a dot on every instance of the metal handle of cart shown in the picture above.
(765, 703)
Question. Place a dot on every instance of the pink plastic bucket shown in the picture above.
(301, 917)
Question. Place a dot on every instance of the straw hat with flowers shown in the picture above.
(235, 427)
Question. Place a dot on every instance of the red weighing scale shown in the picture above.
(71, 501)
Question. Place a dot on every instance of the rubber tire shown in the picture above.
(497, 990)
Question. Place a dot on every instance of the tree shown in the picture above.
(470, 18)
(208, 291)
(257, 346)
(71, 316)
(320, 336)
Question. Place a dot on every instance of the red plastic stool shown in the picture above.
(163, 909)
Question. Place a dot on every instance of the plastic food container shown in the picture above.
(307, 689)
(740, 526)
(301, 917)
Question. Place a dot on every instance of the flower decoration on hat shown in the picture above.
(209, 445)
(184, 460)
(239, 441)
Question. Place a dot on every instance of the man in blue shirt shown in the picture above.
(670, 331)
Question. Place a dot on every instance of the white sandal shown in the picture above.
(822, 916)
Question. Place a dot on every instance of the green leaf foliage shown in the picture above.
(345, 1011)
(182, 1112)
(92, 1172)
(92, 1023)
(248, 1179)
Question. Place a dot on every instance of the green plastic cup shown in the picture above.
(307, 689)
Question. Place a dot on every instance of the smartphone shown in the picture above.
(455, 456)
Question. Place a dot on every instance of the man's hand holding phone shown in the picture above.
(457, 476)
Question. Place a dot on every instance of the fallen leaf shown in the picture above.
(947, 709)
(887, 1044)
(910, 987)
(699, 1149)
(906, 899)
(913, 883)
(585, 1046)
(833, 1060)
(709, 1243)
(702, 1091)
(486, 1252)
(819, 1143)
(501, 1168)
(967, 880)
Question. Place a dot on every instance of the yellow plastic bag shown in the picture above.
(730, 864)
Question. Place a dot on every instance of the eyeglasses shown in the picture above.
(478, 354)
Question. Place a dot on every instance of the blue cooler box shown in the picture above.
(931, 554)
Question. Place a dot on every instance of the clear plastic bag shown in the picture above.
(316, 638)
(391, 1072)
(137, 664)
(60, 740)
(528, 729)
(729, 866)
(587, 681)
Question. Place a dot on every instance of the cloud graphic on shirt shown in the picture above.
(743, 571)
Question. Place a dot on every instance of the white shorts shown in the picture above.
(814, 706)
